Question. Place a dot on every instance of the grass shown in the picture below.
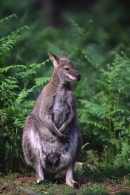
(95, 190)
(93, 182)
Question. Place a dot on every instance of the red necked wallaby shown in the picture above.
(51, 138)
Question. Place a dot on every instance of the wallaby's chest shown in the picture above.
(60, 108)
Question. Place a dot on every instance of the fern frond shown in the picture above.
(123, 157)
(80, 33)
(40, 64)
(76, 29)
(42, 80)
(9, 83)
(119, 110)
(7, 43)
(5, 69)
(91, 60)
(98, 110)
(7, 18)
(31, 69)
(22, 95)
(85, 119)
(97, 124)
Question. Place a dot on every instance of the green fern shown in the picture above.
(5, 69)
(42, 81)
(15, 88)
(7, 43)
(80, 32)
(15, 105)
(106, 113)
(123, 158)
(7, 18)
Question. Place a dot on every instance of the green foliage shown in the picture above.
(89, 37)
(123, 158)
(123, 193)
(7, 43)
(107, 113)
(15, 88)
(96, 190)
(107, 173)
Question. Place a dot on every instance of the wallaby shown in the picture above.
(51, 138)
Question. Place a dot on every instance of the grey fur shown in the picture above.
(51, 137)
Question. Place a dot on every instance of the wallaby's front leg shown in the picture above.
(47, 120)
(67, 122)
(51, 126)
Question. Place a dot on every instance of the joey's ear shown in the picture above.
(64, 56)
(54, 59)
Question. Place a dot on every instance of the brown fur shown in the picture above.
(51, 138)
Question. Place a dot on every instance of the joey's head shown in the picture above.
(64, 69)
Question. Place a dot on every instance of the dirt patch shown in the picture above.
(8, 185)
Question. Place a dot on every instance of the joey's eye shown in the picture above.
(66, 69)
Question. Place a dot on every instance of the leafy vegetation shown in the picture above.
(107, 111)
(99, 47)
(96, 190)
(16, 100)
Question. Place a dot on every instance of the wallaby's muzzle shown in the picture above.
(78, 76)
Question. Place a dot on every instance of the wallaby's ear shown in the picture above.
(64, 56)
(54, 59)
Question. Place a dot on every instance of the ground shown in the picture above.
(9, 184)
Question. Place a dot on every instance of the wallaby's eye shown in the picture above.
(66, 69)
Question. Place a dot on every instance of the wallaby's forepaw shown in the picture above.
(61, 130)
(65, 139)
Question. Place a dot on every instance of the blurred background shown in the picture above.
(50, 23)
(89, 32)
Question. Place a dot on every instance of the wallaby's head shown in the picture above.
(64, 69)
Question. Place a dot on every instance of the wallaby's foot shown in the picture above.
(40, 178)
(72, 183)
(76, 185)
(39, 181)
(69, 178)
(39, 172)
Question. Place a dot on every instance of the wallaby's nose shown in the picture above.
(78, 77)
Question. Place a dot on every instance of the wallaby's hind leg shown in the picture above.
(33, 158)
(31, 144)
(69, 177)
(36, 164)
(39, 173)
